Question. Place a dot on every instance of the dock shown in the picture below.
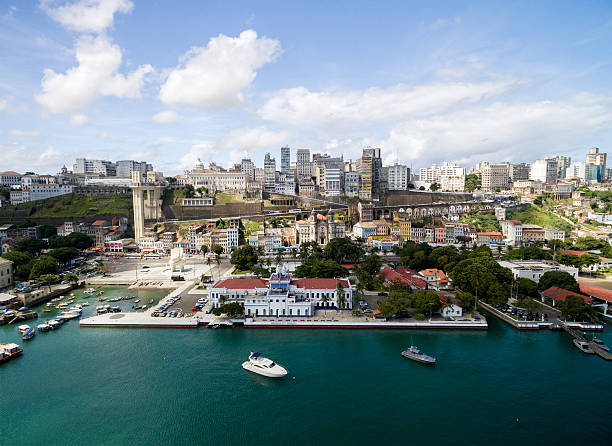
(596, 348)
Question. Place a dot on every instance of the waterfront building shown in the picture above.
(6, 273)
(281, 295)
(285, 165)
(553, 295)
(544, 170)
(319, 228)
(534, 269)
(269, 173)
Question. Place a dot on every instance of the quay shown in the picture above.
(596, 348)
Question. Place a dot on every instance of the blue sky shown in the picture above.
(169, 82)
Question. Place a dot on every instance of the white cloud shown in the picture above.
(253, 138)
(25, 133)
(203, 150)
(301, 106)
(3, 104)
(215, 76)
(79, 119)
(87, 15)
(502, 131)
(95, 75)
(22, 158)
(167, 116)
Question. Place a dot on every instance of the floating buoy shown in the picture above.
(165, 359)
(293, 378)
(517, 420)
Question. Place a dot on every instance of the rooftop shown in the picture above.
(557, 294)
(595, 291)
(242, 283)
(319, 283)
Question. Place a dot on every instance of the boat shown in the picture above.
(29, 334)
(101, 299)
(138, 307)
(99, 293)
(263, 366)
(46, 311)
(90, 290)
(599, 343)
(415, 354)
(116, 309)
(43, 327)
(584, 346)
(23, 328)
(85, 304)
(62, 306)
(50, 304)
(67, 315)
(54, 324)
(9, 351)
(100, 309)
(136, 301)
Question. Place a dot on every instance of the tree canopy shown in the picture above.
(32, 245)
(244, 257)
(559, 279)
(576, 309)
(64, 255)
(343, 250)
(426, 301)
(232, 309)
(484, 278)
(43, 265)
(17, 257)
(73, 240)
(316, 266)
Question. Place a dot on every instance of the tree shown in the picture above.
(422, 188)
(47, 231)
(395, 302)
(575, 308)
(467, 300)
(64, 255)
(189, 191)
(218, 261)
(48, 280)
(472, 182)
(204, 249)
(434, 187)
(482, 276)
(527, 287)
(309, 248)
(32, 245)
(72, 278)
(232, 309)
(316, 267)
(342, 250)
(217, 249)
(279, 257)
(325, 300)
(244, 257)
(43, 265)
(18, 258)
(559, 279)
(341, 295)
(426, 300)
(208, 262)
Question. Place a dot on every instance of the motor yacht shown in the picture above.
(263, 366)
(43, 327)
(29, 334)
(415, 354)
(54, 324)
(584, 346)
(23, 328)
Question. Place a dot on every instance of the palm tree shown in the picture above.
(279, 257)
(218, 260)
(325, 300)
(341, 295)
(208, 262)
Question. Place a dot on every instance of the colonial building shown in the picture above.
(281, 295)
(319, 228)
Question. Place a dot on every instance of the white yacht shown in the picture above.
(23, 328)
(263, 366)
(584, 346)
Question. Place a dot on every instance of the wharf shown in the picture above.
(333, 323)
(596, 348)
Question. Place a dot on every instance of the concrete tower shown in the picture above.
(146, 196)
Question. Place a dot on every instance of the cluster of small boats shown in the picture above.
(585, 347)
(115, 299)
(102, 309)
(68, 313)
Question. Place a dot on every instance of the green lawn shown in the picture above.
(251, 226)
(537, 215)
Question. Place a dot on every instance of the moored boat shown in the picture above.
(54, 324)
(415, 354)
(584, 346)
(9, 351)
(23, 328)
(43, 327)
(263, 366)
(599, 343)
(29, 334)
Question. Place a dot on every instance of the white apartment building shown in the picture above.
(216, 180)
(512, 230)
(101, 167)
(248, 167)
(495, 176)
(544, 170)
(39, 192)
(126, 167)
(576, 170)
(452, 184)
(435, 173)
(398, 177)
(333, 177)
(10, 178)
(535, 269)
(303, 164)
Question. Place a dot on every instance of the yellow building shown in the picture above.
(6, 273)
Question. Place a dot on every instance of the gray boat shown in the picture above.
(584, 346)
(415, 354)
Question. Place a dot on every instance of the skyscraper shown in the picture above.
(369, 166)
(269, 173)
(303, 164)
(595, 165)
(285, 165)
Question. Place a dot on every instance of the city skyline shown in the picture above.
(99, 80)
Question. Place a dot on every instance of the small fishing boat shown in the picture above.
(116, 309)
(136, 301)
(43, 327)
(54, 324)
(46, 311)
(23, 328)
(415, 354)
(85, 304)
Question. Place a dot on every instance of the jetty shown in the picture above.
(596, 348)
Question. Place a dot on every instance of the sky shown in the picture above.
(172, 81)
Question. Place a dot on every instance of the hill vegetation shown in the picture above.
(72, 205)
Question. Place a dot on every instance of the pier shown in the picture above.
(596, 348)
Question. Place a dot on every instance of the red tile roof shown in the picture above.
(595, 291)
(413, 277)
(319, 283)
(492, 234)
(242, 283)
(98, 223)
(580, 253)
(556, 293)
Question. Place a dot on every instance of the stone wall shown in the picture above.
(411, 197)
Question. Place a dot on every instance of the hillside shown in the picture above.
(71, 205)
(541, 215)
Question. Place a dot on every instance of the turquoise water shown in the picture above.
(185, 386)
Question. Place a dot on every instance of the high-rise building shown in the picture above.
(544, 170)
(576, 170)
(495, 176)
(519, 171)
(398, 177)
(563, 162)
(303, 164)
(285, 163)
(351, 184)
(126, 167)
(595, 165)
(369, 166)
(269, 173)
(248, 167)
(100, 167)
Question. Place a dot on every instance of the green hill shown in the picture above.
(72, 205)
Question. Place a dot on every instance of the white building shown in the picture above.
(269, 173)
(452, 184)
(544, 170)
(576, 170)
(216, 180)
(512, 230)
(100, 167)
(495, 176)
(535, 269)
(333, 177)
(364, 229)
(126, 167)
(281, 295)
(303, 164)
(39, 192)
(452, 310)
(554, 234)
(10, 178)
(398, 177)
(248, 167)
